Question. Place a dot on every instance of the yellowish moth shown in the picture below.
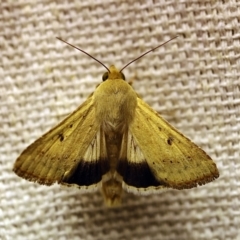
(116, 141)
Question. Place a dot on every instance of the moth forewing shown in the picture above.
(54, 157)
(174, 160)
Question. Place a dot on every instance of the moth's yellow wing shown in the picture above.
(68, 153)
(168, 157)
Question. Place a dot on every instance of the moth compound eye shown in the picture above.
(105, 76)
(123, 76)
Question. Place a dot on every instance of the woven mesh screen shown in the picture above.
(192, 81)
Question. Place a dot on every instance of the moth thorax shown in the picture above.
(115, 103)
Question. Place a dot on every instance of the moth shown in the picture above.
(115, 141)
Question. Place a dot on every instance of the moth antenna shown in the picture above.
(134, 60)
(84, 52)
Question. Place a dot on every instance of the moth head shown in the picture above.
(112, 74)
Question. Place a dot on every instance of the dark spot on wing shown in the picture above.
(170, 140)
(61, 137)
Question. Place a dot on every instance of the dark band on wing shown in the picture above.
(88, 173)
(137, 175)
